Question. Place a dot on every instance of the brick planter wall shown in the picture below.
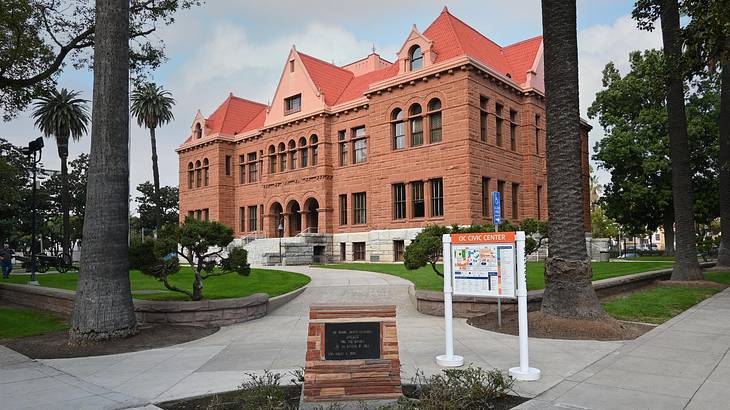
(201, 313)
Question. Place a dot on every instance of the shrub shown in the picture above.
(263, 392)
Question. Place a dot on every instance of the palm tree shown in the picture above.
(568, 289)
(152, 106)
(686, 265)
(103, 309)
(596, 189)
(63, 115)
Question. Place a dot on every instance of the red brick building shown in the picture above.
(362, 156)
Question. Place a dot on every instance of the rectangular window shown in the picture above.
(399, 135)
(241, 169)
(437, 197)
(343, 209)
(252, 218)
(398, 251)
(342, 138)
(499, 121)
(358, 251)
(228, 165)
(485, 196)
(199, 214)
(399, 201)
(190, 179)
(539, 202)
(515, 201)
(315, 154)
(343, 251)
(293, 104)
(513, 130)
(360, 208)
(537, 133)
(242, 219)
(483, 101)
(191, 214)
(416, 131)
(282, 161)
(418, 205)
(434, 123)
(205, 214)
(360, 145)
(253, 172)
(272, 164)
(500, 189)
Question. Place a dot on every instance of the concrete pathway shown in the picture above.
(683, 364)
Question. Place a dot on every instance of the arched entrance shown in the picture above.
(276, 218)
(295, 218)
(311, 207)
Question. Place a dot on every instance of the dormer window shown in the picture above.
(198, 131)
(293, 104)
(415, 56)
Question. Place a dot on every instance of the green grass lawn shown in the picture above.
(656, 305)
(654, 258)
(425, 278)
(719, 277)
(232, 285)
(21, 322)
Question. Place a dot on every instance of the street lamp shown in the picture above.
(35, 148)
(281, 234)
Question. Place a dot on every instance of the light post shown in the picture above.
(281, 234)
(35, 148)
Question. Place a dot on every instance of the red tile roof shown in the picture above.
(521, 57)
(328, 78)
(360, 84)
(234, 115)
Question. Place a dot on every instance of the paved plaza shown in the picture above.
(682, 360)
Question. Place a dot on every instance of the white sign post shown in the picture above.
(486, 264)
(449, 359)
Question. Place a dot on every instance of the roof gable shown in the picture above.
(522, 57)
(329, 79)
(232, 115)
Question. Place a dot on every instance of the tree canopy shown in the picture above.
(146, 205)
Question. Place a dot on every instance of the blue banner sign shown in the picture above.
(496, 208)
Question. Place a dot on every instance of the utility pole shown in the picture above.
(35, 148)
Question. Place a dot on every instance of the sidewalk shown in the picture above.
(681, 364)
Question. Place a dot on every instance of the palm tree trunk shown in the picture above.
(668, 225)
(568, 289)
(686, 266)
(723, 257)
(104, 308)
(66, 241)
(156, 177)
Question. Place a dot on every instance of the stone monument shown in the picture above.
(352, 355)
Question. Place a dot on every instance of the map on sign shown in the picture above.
(484, 269)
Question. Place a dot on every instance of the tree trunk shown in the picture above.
(156, 177)
(104, 308)
(568, 289)
(686, 266)
(723, 256)
(668, 226)
(65, 202)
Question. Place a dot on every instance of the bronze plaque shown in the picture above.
(351, 341)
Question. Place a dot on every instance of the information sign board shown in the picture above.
(496, 208)
(483, 264)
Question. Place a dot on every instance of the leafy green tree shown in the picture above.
(62, 115)
(77, 176)
(602, 225)
(168, 204)
(632, 109)
(646, 12)
(569, 292)
(201, 243)
(41, 37)
(152, 107)
(14, 182)
(707, 41)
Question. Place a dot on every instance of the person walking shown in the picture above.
(6, 260)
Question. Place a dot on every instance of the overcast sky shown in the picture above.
(241, 47)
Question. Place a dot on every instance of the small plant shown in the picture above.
(200, 243)
(472, 388)
(263, 392)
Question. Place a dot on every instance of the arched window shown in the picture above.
(416, 123)
(416, 58)
(398, 129)
(315, 149)
(198, 174)
(205, 172)
(272, 159)
(282, 157)
(198, 131)
(292, 155)
(303, 152)
(190, 175)
(434, 120)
